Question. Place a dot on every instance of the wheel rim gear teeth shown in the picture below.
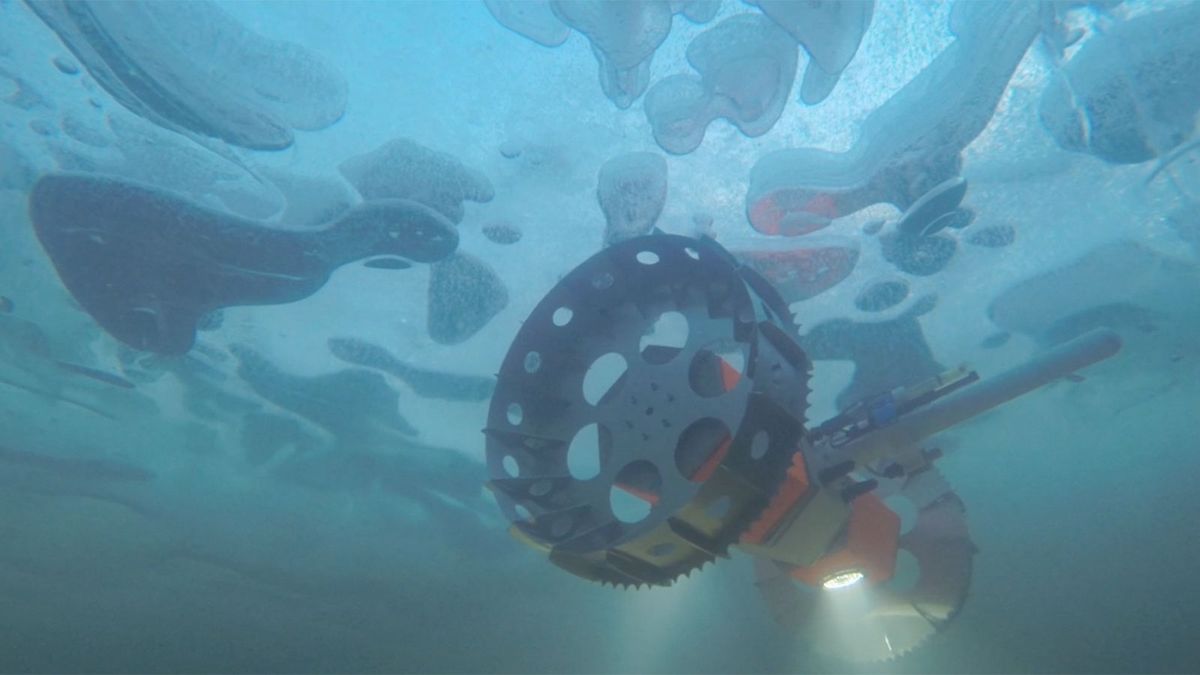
(656, 422)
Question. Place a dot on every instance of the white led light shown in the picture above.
(842, 579)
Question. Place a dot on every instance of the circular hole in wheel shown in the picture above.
(635, 491)
(523, 513)
(647, 257)
(514, 414)
(587, 451)
(602, 377)
(533, 362)
(701, 447)
(511, 467)
(665, 339)
(759, 445)
(562, 316)
(691, 252)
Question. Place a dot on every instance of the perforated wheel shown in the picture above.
(646, 411)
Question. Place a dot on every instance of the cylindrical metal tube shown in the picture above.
(989, 393)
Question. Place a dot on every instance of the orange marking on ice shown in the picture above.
(821, 204)
(770, 213)
(765, 215)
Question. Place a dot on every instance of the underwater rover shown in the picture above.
(632, 454)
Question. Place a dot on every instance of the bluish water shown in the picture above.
(262, 453)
